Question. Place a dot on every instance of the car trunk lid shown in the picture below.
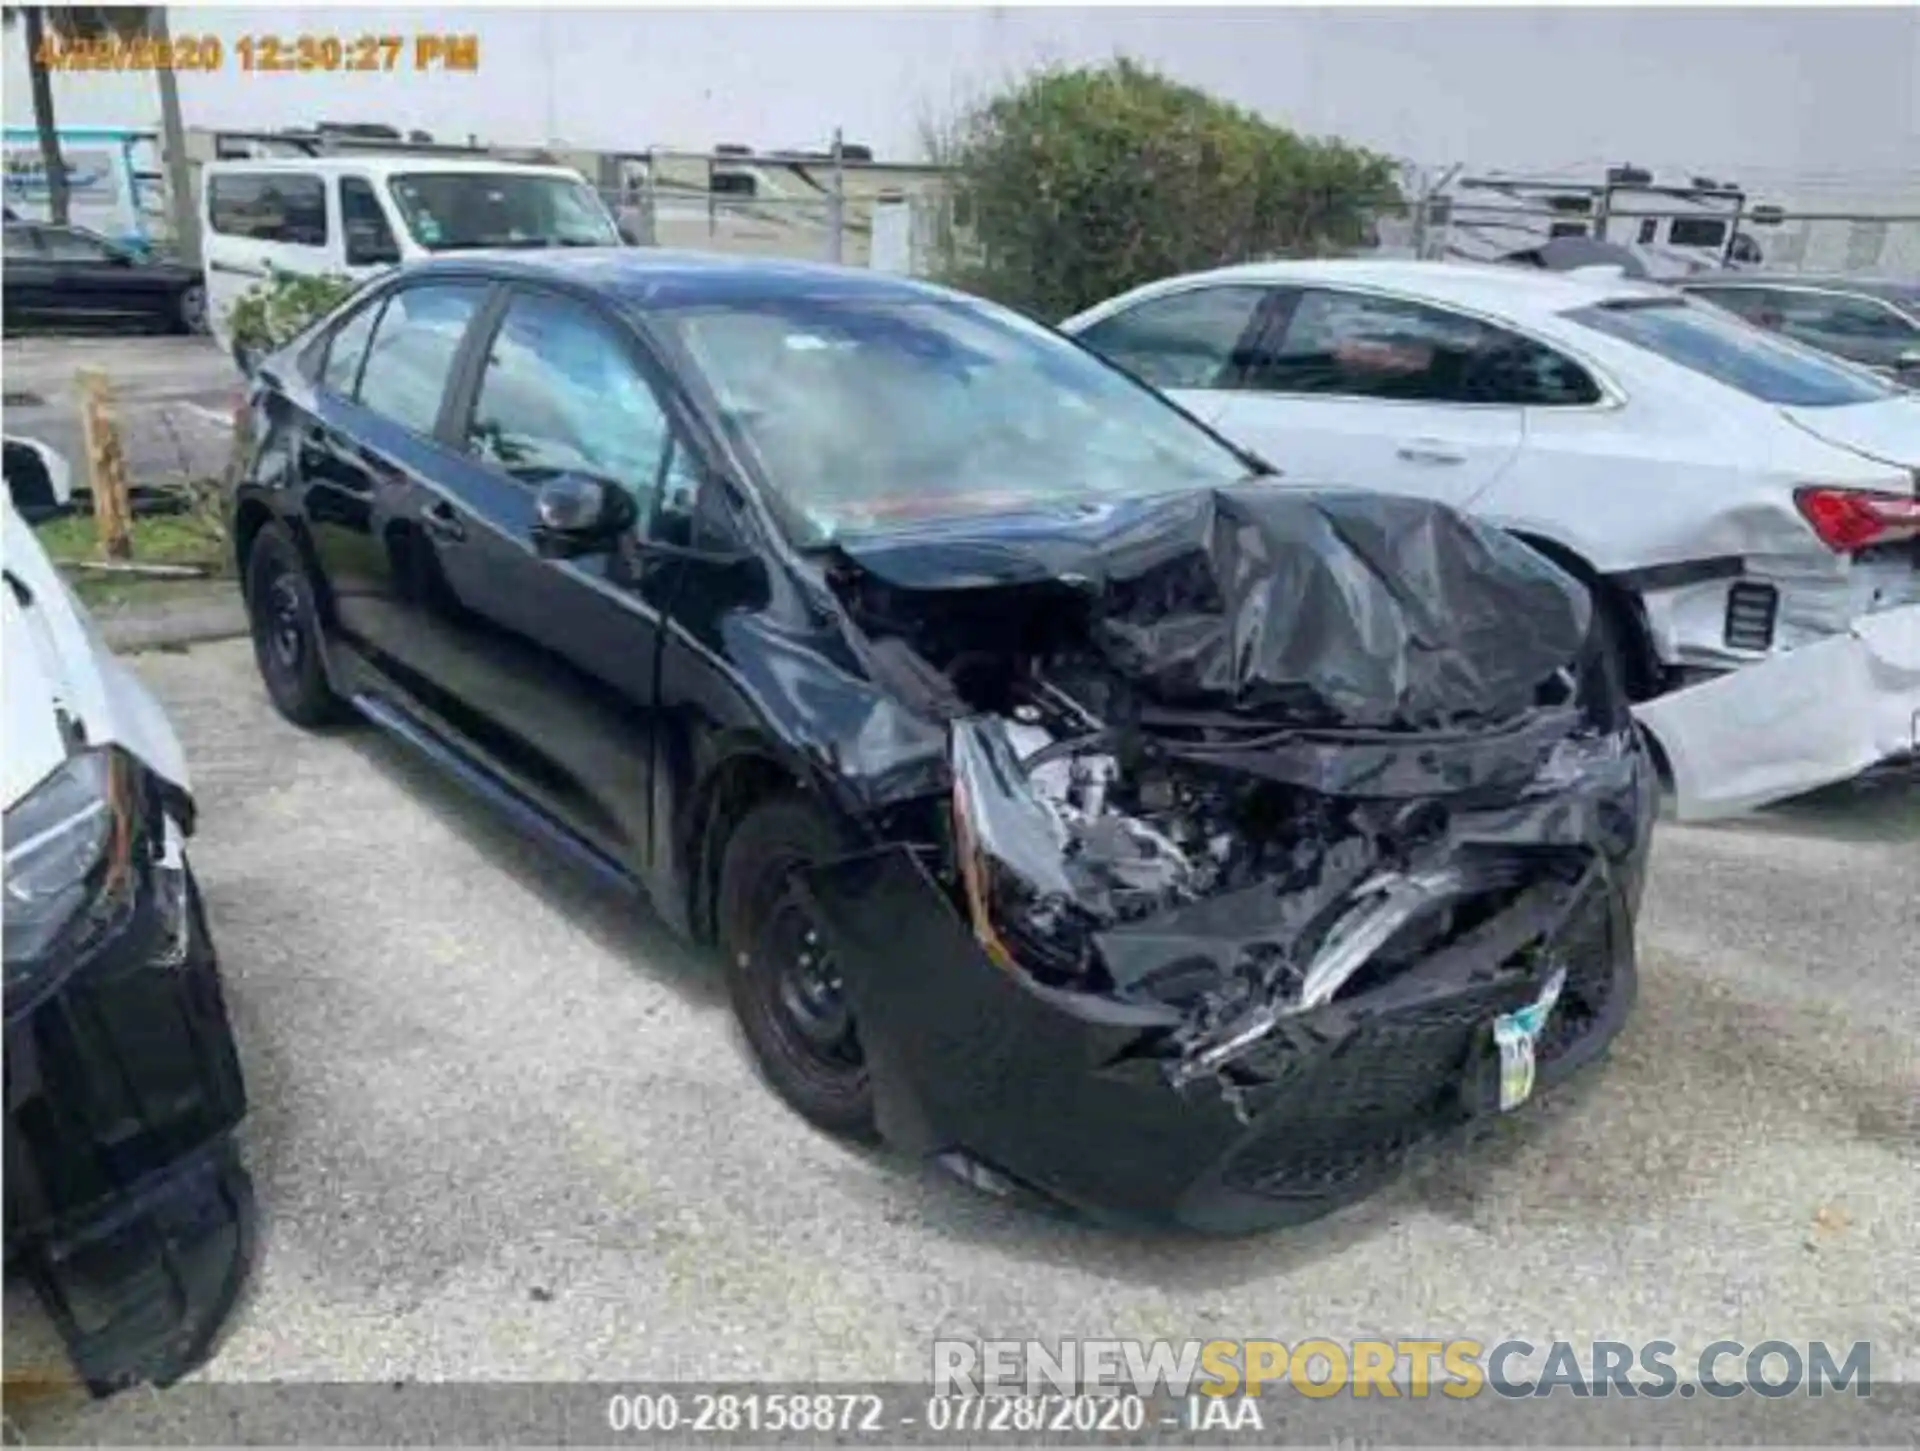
(1886, 430)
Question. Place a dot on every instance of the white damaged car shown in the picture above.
(128, 1208)
(1744, 507)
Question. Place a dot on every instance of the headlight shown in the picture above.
(69, 860)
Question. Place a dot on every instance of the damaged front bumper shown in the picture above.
(1110, 1104)
(127, 1207)
(1800, 720)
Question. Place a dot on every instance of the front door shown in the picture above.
(550, 664)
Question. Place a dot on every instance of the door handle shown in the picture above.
(1422, 451)
(442, 521)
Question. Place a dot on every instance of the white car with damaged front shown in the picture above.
(129, 1210)
(1745, 507)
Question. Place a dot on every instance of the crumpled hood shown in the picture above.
(1329, 608)
(55, 664)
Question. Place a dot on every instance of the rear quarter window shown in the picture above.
(279, 206)
(1705, 340)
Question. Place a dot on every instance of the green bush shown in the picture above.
(1079, 184)
(272, 313)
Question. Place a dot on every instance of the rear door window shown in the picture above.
(410, 360)
(1187, 340)
(269, 206)
(1707, 341)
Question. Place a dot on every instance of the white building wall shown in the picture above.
(1802, 106)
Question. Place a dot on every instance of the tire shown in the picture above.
(190, 309)
(286, 631)
(784, 990)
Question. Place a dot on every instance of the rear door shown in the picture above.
(1378, 392)
(1191, 345)
(547, 666)
(364, 455)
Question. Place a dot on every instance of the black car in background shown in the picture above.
(1069, 798)
(1864, 320)
(68, 274)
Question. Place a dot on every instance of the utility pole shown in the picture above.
(181, 202)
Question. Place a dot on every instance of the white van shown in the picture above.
(359, 215)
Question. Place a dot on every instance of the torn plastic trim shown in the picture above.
(1793, 723)
(1533, 919)
(1815, 598)
(1382, 907)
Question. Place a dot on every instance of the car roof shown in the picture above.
(387, 164)
(661, 276)
(1501, 288)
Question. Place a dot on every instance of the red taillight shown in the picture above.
(1850, 519)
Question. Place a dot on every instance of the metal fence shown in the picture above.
(820, 207)
(828, 207)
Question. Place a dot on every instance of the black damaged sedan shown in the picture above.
(1070, 797)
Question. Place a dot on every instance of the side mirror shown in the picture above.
(577, 514)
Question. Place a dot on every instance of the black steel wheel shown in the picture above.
(781, 974)
(286, 631)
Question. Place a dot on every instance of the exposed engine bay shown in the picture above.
(1158, 867)
(1152, 802)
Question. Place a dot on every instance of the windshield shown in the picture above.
(868, 413)
(448, 210)
(1760, 364)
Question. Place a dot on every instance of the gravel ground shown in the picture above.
(503, 1126)
(173, 398)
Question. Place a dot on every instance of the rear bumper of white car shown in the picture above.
(1799, 720)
